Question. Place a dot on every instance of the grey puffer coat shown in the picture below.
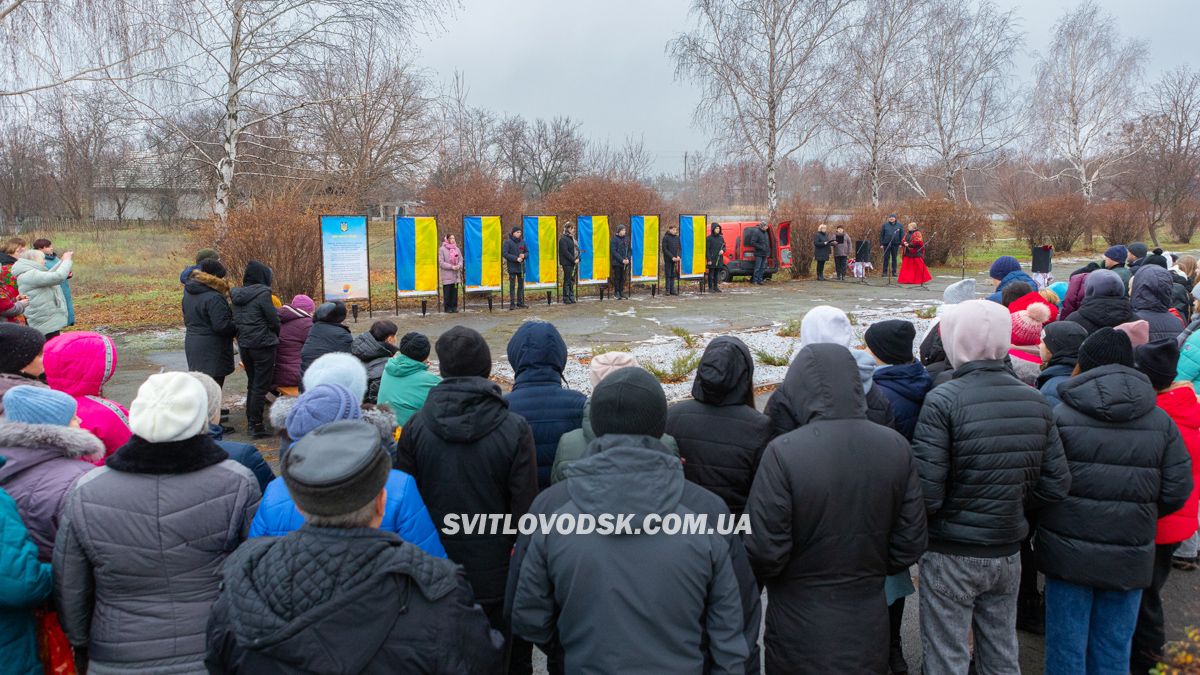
(138, 552)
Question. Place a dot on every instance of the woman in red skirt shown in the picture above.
(913, 269)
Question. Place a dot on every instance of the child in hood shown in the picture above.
(80, 364)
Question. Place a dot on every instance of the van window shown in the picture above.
(784, 234)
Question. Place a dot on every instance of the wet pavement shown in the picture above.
(592, 322)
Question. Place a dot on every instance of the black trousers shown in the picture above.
(889, 256)
(450, 297)
(1151, 633)
(616, 277)
(516, 290)
(839, 264)
(821, 269)
(260, 377)
(672, 276)
(713, 277)
(520, 652)
(568, 292)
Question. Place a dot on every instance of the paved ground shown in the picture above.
(592, 322)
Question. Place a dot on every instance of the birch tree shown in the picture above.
(1085, 91)
(965, 113)
(247, 60)
(766, 69)
(874, 103)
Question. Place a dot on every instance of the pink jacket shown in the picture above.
(448, 269)
(80, 364)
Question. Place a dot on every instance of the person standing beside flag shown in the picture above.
(568, 259)
(514, 252)
(619, 257)
(671, 252)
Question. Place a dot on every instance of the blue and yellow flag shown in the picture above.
(593, 249)
(541, 240)
(644, 230)
(692, 230)
(416, 256)
(481, 252)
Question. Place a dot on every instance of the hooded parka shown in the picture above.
(208, 322)
(1151, 300)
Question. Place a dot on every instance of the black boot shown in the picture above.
(1031, 615)
(258, 431)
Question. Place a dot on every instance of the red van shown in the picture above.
(740, 260)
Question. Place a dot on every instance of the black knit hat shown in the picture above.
(463, 352)
(19, 345)
(336, 468)
(1158, 360)
(1155, 259)
(1105, 347)
(629, 401)
(330, 312)
(1063, 338)
(415, 346)
(891, 341)
(212, 266)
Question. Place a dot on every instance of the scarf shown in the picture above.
(453, 249)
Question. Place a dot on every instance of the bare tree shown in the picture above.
(467, 136)
(24, 168)
(376, 128)
(1086, 83)
(553, 154)
(873, 107)
(81, 131)
(1162, 149)
(510, 140)
(766, 68)
(630, 161)
(965, 112)
(249, 58)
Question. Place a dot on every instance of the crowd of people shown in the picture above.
(1050, 430)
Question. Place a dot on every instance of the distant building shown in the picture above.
(151, 187)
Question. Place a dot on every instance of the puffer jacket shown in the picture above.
(43, 465)
(1051, 377)
(879, 409)
(245, 454)
(24, 583)
(1125, 273)
(265, 624)
(405, 514)
(688, 603)
(1151, 300)
(294, 326)
(574, 445)
(1181, 293)
(466, 435)
(208, 324)
(1076, 285)
(255, 316)
(324, 338)
(80, 364)
(1128, 467)
(47, 308)
(138, 550)
(1181, 405)
(374, 355)
(824, 553)
(1098, 311)
(721, 436)
(1010, 278)
(714, 249)
(404, 386)
(52, 261)
(1188, 368)
(905, 387)
(10, 380)
(987, 449)
(512, 249)
(538, 356)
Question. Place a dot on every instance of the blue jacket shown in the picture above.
(1051, 377)
(905, 387)
(245, 454)
(405, 515)
(24, 583)
(51, 261)
(1188, 369)
(1015, 275)
(538, 356)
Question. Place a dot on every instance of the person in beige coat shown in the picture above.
(450, 264)
(47, 310)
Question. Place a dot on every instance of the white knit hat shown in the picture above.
(604, 364)
(169, 407)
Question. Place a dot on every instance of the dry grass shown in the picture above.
(768, 359)
(681, 366)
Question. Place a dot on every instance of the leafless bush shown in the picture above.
(949, 227)
(1185, 220)
(804, 217)
(1062, 220)
(1120, 222)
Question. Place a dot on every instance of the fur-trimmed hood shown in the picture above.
(205, 279)
(65, 441)
(381, 417)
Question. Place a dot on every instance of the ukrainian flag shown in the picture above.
(416, 256)
(593, 249)
(541, 240)
(481, 254)
(692, 230)
(644, 230)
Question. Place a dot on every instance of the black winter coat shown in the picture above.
(374, 356)
(511, 250)
(208, 324)
(1181, 297)
(324, 600)
(836, 506)
(1151, 300)
(568, 250)
(822, 244)
(987, 449)
(1098, 311)
(619, 251)
(721, 436)
(1129, 467)
(255, 316)
(779, 410)
(758, 241)
(324, 338)
(470, 455)
(671, 247)
(714, 250)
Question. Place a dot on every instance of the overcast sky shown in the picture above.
(605, 64)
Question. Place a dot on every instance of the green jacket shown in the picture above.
(404, 386)
(24, 584)
(47, 310)
(574, 444)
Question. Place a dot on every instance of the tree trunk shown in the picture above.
(875, 187)
(951, 190)
(230, 130)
